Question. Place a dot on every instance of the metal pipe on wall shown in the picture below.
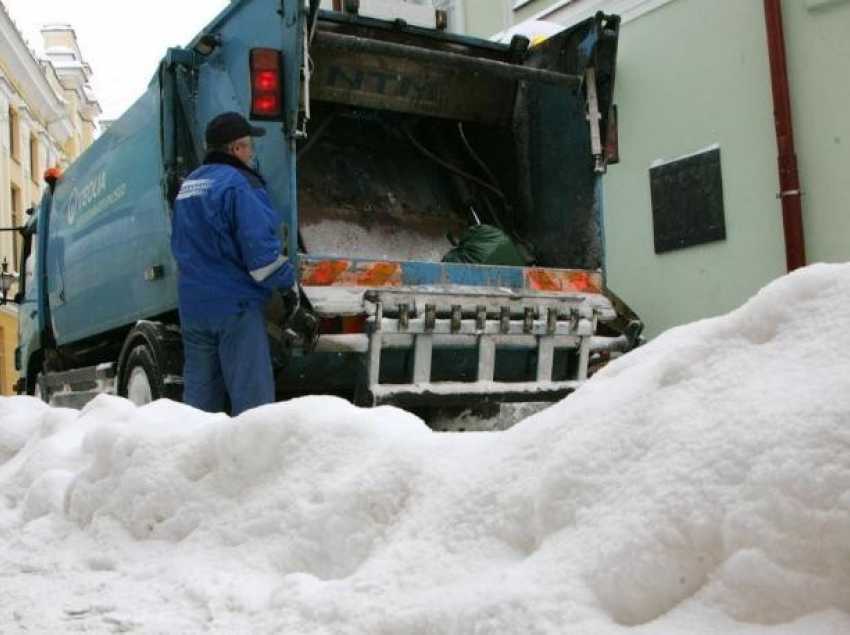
(789, 179)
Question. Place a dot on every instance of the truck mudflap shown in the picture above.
(485, 321)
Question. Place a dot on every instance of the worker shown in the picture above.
(229, 261)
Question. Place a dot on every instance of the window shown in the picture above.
(687, 201)
(30, 255)
(62, 57)
(16, 221)
(34, 158)
(14, 144)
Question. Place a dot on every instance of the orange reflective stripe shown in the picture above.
(588, 283)
(346, 273)
(557, 280)
(540, 280)
(324, 273)
(382, 274)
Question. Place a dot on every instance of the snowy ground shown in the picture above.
(698, 485)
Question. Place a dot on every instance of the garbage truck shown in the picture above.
(439, 194)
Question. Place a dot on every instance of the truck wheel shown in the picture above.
(142, 381)
(152, 353)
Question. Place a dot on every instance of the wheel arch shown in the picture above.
(166, 346)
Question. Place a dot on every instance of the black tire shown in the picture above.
(152, 354)
(141, 380)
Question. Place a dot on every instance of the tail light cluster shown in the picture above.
(266, 84)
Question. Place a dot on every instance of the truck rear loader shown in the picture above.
(439, 194)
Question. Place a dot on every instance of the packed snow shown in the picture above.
(381, 242)
(700, 484)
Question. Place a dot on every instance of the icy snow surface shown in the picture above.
(379, 242)
(698, 485)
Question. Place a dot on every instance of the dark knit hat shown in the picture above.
(230, 126)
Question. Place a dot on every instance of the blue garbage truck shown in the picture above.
(440, 195)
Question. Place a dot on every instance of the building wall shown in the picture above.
(8, 342)
(527, 9)
(680, 90)
(689, 78)
(818, 43)
(42, 124)
(483, 18)
(64, 63)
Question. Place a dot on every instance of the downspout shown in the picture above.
(789, 178)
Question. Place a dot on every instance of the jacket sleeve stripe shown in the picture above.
(264, 272)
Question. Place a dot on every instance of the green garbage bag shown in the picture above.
(485, 245)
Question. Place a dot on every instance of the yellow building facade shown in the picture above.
(47, 117)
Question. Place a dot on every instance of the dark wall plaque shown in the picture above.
(687, 201)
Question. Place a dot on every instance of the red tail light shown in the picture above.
(342, 325)
(354, 323)
(266, 84)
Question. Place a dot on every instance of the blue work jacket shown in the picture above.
(225, 241)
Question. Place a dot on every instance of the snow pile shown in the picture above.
(699, 484)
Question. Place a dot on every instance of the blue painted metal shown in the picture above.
(109, 224)
(442, 273)
(223, 84)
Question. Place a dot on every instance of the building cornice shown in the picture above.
(20, 63)
(572, 11)
(6, 88)
(61, 129)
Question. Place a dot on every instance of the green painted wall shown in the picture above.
(688, 78)
(818, 44)
(483, 18)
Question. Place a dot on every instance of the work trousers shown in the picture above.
(227, 354)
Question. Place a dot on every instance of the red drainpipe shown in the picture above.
(789, 178)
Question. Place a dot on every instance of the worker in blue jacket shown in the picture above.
(229, 260)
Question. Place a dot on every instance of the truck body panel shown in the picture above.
(109, 257)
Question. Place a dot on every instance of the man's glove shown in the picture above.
(291, 302)
(299, 319)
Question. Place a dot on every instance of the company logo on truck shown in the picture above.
(88, 201)
(382, 82)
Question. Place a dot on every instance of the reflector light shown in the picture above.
(354, 323)
(342, 325)
(266, 84)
